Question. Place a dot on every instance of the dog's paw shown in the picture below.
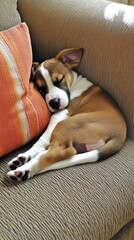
(18, 161)
(18, 175)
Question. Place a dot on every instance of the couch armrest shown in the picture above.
(103, 28)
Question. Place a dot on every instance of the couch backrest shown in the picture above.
(9, 15)
(104, 29)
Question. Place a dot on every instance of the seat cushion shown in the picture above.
(90, 201)
(23, 111)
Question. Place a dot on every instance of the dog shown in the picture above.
(86, 124)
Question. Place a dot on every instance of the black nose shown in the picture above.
(55, 103)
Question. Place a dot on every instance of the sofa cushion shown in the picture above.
(9, 16)
(89, 201)
(23, 112)
(103, 28)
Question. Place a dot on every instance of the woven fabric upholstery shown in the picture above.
(126, 233)
(103, 28)
(85, 202)
(9, 16)
(23, 112)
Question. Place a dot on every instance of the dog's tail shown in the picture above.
(110, 148)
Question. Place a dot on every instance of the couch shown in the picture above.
(92, 201)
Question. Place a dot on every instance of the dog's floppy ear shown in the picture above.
(71, 57)
(34, 66)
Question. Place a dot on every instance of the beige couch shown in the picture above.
(91, 201)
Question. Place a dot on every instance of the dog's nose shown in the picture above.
(55, 103)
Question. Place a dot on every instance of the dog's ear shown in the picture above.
(71, 57)
(34, 66)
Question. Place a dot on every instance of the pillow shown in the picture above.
(23, 112)
(9, 15)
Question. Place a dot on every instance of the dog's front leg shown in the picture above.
(42, 144)
(40, 164)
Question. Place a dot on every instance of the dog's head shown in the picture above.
(53, 78)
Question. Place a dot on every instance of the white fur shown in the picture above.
(80, 85)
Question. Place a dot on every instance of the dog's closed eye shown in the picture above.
(58, 80)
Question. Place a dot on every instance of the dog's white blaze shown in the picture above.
(80, 85)
(53, 91)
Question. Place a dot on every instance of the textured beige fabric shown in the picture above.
(131, 2)
(120, 1)
(126, 233)
(106, 32)
(87, 202)
(9, 15)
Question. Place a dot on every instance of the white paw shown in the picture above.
(20, 160)
(18, 175)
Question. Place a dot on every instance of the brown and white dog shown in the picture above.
(86, 126)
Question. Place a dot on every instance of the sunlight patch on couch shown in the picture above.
(113, 10)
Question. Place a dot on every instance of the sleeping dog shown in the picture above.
(86, 124)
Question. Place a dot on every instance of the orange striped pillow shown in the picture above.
(23, 112)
